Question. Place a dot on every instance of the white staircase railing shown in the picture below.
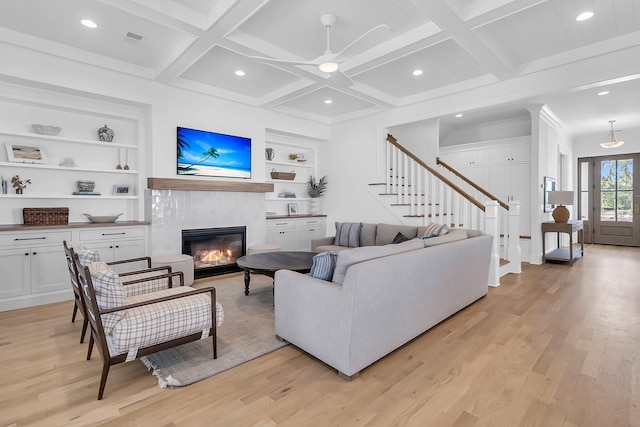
(424, 195)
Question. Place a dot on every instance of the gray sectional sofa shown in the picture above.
(380, 297)
(383, 234)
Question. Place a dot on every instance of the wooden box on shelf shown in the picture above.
(45, 216)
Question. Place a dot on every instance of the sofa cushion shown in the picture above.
(353, 256)
(348, 234)
(385, 233)
(399, 238)
(452, 236)
(368, 234)
(109, 294)
(323, 265)
(433, 230)
(87, 256)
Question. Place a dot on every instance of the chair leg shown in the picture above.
(90, 346)
(75, 311)
(103, 379)
(85, 323)
(215, 346)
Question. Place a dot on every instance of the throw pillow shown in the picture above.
(399, 238)
(324, 265)
(348, 234)
(434, 230)
(87, 256)
(109, 293)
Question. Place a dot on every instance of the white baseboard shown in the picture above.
(24, 301)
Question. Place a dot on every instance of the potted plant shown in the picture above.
(315, 189)
(293, 157)
(19, 184)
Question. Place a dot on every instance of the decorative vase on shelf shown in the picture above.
(18, 190)
(105, 134)
(313, 207)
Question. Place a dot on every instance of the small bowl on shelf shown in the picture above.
(102, 219)
(46, 129)
(85, 186)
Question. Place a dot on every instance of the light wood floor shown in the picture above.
(554, 346)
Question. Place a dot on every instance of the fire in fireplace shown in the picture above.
(214, 250)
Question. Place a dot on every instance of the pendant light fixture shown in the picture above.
(611, 141)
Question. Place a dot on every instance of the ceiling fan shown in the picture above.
(329, 62)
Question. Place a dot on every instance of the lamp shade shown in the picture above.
(561, 198)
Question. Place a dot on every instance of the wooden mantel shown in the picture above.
(206, 185)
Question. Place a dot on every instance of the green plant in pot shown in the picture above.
(316, 189)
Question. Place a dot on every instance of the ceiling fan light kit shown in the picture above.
(611, 141)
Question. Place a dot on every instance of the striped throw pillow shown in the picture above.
(324, 265)
(348, 234)
(434, 230)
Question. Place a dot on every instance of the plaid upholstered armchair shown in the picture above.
(128, 327)
(137, 282)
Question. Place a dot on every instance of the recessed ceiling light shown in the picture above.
(240, 73)
(328, 101)
(458, 115)
(584, 16)
(417, 72)
(89, 23)
(604, 92)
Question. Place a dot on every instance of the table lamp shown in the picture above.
(560, 199)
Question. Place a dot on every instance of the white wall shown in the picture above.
(421, 138)
(166, 107)
(490, 131)
(588, 145)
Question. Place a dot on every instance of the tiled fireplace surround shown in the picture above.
(171, 211)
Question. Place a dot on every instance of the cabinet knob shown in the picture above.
(26, 254)
(35, 253)
(117, 246)
(110, 247)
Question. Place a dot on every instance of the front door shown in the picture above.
(612, 209)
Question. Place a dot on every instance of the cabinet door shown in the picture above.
(128, 249)
(283, 237)
(307, 230)
(16, 272)
(49, 269)
(119, 250)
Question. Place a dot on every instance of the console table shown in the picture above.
(563, 254)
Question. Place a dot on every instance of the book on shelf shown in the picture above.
(86, 193)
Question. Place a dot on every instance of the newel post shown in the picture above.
(492, 227)
(515, 253)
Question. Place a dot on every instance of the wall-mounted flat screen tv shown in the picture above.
(203, 153)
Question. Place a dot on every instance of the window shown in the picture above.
(616, 190)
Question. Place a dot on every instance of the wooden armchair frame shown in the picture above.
(77, 294)
(97, 331)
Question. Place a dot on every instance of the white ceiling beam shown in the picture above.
(456, 28)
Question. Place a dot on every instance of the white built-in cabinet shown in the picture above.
(295, 234)
(33, 265)
(53, 179)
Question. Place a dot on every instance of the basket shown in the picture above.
(45, 216)
(290, 176)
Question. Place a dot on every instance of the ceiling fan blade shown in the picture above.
(364, 42)
(286, 61)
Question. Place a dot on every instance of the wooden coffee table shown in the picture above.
(267, 263)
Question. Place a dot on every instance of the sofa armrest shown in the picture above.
(314, 315)
(321, 242)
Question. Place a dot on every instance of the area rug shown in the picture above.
(247, 332)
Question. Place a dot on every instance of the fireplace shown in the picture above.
(214, 250)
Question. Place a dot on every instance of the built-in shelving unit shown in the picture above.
(53, 180)
(282, 146)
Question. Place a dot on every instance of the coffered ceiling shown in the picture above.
(458, 44)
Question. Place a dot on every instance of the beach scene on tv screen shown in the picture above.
(202, 153)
